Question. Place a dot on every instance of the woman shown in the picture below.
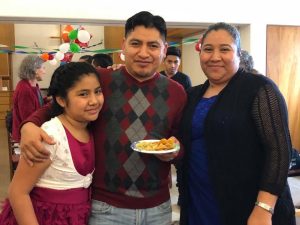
(27, 95)
(235, 131)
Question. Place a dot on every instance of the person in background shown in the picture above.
(56, 191)
(27, 96)
(129, 187)
(237, 142)
(102, 60)
(172, 62)
(247, 63)
(86, 58)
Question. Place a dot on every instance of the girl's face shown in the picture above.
(84, 100)
(219, 58)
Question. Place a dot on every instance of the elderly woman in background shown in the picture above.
(236, 135)
(27, 96)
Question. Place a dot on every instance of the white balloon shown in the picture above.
(83, 36)
(59, 55)
(53, 62)
(122, 56)
(64, 47)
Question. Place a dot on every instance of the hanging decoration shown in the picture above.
(77, 40)
(198, 45)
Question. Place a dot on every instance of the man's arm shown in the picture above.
(32, 136)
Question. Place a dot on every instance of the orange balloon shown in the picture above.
(68, 28)
(65, 33)
(45, 56)
(65, 37)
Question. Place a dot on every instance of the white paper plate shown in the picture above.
(133, 146)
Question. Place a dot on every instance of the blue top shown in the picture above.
(203, 208)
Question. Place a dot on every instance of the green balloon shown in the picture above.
(73, 34)
(74, 47)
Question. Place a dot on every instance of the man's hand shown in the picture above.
(32, 149)
(167, 156)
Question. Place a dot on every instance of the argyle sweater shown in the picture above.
(132, 111)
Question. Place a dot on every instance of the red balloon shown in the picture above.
(81, 45)
(68, 57)
(198, 45)
(51, 57)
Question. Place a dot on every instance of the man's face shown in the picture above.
(171, 62)
(144, 50)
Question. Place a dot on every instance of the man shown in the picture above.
(130, 187)
(172, 63)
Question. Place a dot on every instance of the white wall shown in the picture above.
(187, 13)
(27, 34)
(191, 64)
(232, 11)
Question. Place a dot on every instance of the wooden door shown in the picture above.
(283, 67)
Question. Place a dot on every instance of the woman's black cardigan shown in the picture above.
(248, 148)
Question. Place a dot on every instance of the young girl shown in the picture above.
(57, 191)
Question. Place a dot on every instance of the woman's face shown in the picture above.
(219, 58)
(40, 72)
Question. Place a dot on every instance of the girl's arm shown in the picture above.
(22, 183)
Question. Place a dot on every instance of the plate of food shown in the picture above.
(154, 146)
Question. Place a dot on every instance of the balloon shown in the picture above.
(198, 47)
(45, 56)
(73, 34)
(59, 56)
(51, 56)
(82, 45)
(83, 36)
(65, 33)
(74, 47)
(68, 28)
(65, 37)
(122, 56)
(53, 62)
(68, 57)
(64, 47)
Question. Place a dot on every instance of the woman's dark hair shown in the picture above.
(64, 78)
(234, 33)
(147, 20)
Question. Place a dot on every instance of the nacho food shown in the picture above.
(163, 144)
